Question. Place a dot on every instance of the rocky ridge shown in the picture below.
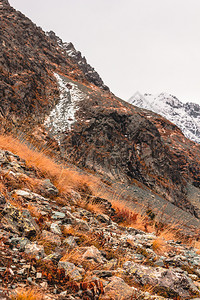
(90, 73)
(185, 115)
(65, 251)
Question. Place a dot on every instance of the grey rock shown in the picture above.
(164, 281)
(70, 241)
(70, 270)
(58, 215)
(92, 253)
(117, 289)
(49, 189)
(35, 250)
(55, 228)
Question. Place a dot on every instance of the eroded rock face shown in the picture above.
(168, 283)
(90, 73)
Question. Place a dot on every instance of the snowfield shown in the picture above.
(184, 115)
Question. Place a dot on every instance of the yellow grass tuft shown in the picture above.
(159, 246)
(63, 177)
(28, 294)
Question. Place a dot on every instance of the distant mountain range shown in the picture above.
(185, 115)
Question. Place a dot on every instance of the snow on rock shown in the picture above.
(62, 116)
(185, 116)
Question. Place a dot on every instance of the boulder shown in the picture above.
(35, 250)
(165, 282)
(117, 289)
(19, 222)
(51, 238)
(71, 270)
(92, 253)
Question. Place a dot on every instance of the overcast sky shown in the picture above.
(150, 46)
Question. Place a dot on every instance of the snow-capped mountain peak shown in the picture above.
(185, 115)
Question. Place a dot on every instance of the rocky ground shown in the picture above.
(53, 244)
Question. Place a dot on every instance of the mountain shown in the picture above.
(99, 199)
(48, 97)
(185, 115)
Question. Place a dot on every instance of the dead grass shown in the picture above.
(124, 215)
(28, 294)
(34, 211)
(159, 246)
(64, 178)
(95, 208)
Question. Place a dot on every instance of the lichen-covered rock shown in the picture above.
(35, 250)
(92, 253)
(51, 237)
(19, 222)
(71, 270)
(117, 289)
(48, 189)
(166, 282)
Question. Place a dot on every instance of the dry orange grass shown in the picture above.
(160, 246)
(96, 208)
(34, 211)
(64, 178)
(28, 294)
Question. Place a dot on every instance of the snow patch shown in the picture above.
(62, 116)
(185, 116)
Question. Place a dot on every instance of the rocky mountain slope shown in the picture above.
(185, 115)
(108, 207)
(56, 243)
(54, 99)
(47, 96)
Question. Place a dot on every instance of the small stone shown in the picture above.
(94, 254)
(44, 285)
(58, 215)
(55, 228)
(70, 241)
(38, 275)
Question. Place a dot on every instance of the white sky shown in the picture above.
(150, 46)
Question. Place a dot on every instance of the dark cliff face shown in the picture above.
(76, 56)
(120, 142)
